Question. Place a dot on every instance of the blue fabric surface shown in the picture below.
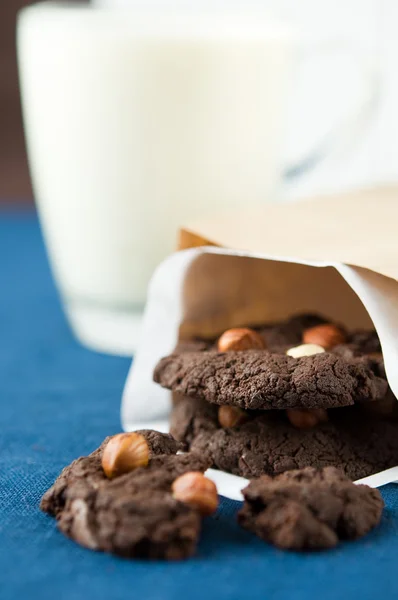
(59, 401)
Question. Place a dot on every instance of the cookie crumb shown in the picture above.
(309, 509)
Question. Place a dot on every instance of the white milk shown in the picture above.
(135, 123)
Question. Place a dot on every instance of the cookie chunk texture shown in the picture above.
(257, 379)
(133, 515)
(354, 440)
(309, 509)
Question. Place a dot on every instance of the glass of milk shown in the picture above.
(136, 122)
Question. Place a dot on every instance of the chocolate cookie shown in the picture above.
(277, 336)
(366, 342)
(357, 442)
(184, 346)
(280, 336)
(309, 509)
(133, 515)
(257, 379)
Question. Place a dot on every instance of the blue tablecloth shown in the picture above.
(59, 401)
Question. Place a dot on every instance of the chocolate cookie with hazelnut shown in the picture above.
(357, 441)
(306, 377)
(134, 496)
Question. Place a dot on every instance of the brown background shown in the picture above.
(14, 175)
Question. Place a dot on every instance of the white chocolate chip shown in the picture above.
(80, 525)
(305, 350)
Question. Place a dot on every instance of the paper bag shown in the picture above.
(337, 256)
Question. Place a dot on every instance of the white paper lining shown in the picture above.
(146, 403)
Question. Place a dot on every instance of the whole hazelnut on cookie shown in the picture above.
(123, 453)
(326, 335)
(306, 418)
(198, 491)
(231, 416)
(238, 339)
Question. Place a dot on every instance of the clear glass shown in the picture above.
(105, 329)
(136, 124)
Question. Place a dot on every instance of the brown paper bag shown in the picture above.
(358, 229)
(337, 256)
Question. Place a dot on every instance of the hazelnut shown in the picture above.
(326, 335)
(321, 414)
(305, 350)
(306, 418)
(231, 416)
(123, 453)
(198, 491)
(240, 339)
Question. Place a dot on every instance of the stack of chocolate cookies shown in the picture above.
(303, 392)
